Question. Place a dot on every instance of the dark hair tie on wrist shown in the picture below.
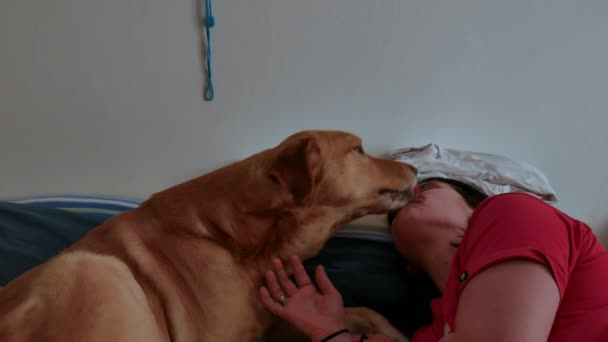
(334, 334)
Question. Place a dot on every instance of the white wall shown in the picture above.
(105, 96)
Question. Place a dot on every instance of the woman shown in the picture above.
(511, 269)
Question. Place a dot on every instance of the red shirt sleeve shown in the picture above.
(519, 226)
(516, 226)
(506, 227)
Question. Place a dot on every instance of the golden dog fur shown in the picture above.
(186, 265)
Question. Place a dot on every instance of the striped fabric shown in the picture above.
(373, 227)
(370, 227)
(87, 204)
(365, 232)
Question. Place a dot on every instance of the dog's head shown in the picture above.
(331, 169)
(325, 178)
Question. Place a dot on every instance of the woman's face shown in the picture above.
(436, 216)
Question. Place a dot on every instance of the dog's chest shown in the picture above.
(225, 306)
(237, 311)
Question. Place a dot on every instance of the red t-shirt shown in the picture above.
(515, 226)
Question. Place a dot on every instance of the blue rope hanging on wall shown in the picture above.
(209, 23)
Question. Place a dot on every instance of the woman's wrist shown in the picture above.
(337, 336)
(325, 334)
(318, 334)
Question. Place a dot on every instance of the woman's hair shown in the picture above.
(471, 195)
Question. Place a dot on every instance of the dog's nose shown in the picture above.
(414, 170)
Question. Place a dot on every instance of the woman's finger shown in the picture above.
(299, 272)
(323, 281)
(274, 288)
(286, 284)
(270, 304)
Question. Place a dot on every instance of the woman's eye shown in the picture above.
(424, 186)
(359, 149)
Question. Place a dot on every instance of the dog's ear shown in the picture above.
(297, 167)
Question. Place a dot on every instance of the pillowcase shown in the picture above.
(491, 174)
(370, 227)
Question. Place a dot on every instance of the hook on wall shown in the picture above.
(206, 21)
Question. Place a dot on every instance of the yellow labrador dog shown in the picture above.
(187, 264)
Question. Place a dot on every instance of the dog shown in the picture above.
(186, 265)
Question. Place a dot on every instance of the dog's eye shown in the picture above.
(359, 149)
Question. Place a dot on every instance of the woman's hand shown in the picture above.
(315, 313)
